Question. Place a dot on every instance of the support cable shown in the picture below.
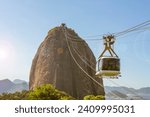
(79, 55)
(89, 76)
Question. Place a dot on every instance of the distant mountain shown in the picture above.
(127, 93)
(116, 94)
(144, 90)
(18, 81)
(125, 90)
(7, 86)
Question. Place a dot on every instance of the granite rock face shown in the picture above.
(53, 64)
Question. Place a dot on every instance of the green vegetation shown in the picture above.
(48, 92)
(15, 96)
(92, 97)
(44, 92)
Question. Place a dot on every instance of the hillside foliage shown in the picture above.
(44, 92)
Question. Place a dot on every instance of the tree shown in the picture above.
(48, 92)
(44, 92)
(14, 96)
(92, 97)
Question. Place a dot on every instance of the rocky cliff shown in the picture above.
(54, 64)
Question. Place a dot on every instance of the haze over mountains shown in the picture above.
(127, 93)
(9, 86)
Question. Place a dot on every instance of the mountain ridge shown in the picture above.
(127, 93)
(128, 89)
(8, 86)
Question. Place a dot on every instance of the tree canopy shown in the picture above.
(44, 92)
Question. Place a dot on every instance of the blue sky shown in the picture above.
(24, 25)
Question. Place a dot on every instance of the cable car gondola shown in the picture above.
(108, 66)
